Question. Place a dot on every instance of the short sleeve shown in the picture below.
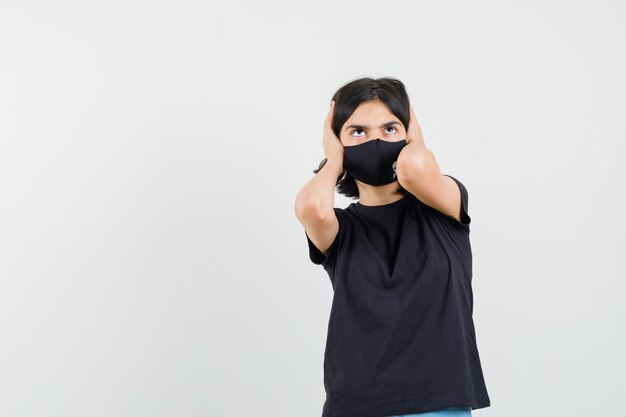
(316, 256)
(465, 218)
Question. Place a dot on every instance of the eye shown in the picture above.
(391, 127)
(357, 130)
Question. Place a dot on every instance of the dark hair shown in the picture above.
(390, 91)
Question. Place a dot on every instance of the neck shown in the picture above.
(377, 196)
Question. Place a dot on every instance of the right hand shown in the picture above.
(333, 148)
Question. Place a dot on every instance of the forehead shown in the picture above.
(371, 110)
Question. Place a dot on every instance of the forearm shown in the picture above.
(317, 196)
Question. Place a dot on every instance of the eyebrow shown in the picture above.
(386, 124)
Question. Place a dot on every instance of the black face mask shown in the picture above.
(373, 162)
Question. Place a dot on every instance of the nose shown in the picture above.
(378, 137)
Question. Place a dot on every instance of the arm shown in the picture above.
(419, 173)
(314, 205)
(317, 197)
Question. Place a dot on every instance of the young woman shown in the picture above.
(401, 337)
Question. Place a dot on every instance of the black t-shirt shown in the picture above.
(400, 335)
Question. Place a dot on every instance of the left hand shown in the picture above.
(414, 132)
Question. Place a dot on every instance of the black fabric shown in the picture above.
(401, 336)
(373, 162)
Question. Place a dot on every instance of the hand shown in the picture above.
(414, 132)
(333, 148)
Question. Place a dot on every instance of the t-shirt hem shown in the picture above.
(406, 408)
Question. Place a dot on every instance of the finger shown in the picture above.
(329, 116)
(413, 115)
(411, 130)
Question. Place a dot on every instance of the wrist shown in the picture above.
(335, 160)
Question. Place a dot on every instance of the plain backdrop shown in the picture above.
(151, 263)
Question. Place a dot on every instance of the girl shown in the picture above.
(401, 337)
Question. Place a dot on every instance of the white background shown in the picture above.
(151, 263)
